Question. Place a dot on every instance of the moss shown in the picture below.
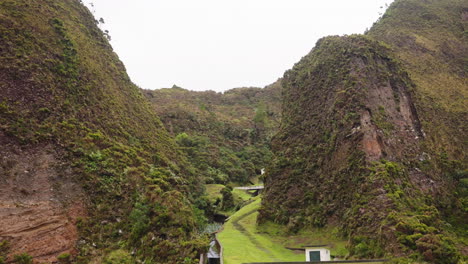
(381, 120)
(23, 259)
(364, 248)
(438, 249)
(4, 247)
(226, 135)
(118, 257)
(320, 155)
(64, 258)
(76, 95)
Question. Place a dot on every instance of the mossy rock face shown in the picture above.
(329, 134)
(361, 144)
(64, 87)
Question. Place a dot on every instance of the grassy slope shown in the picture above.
(62, 84)
(243, 241)
(248, 246)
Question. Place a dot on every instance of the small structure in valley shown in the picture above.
(214, 255)
(317, 253)
(253, 190)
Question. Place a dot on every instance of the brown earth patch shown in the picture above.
(39, 201)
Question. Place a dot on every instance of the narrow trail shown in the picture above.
(251, 237)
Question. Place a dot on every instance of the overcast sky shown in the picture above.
(223, 44)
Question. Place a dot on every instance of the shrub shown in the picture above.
(64, 258)
(228, 198)
(119, 256)
(364, 247)
(437, 249)
(140, 221)
(4, 247)
(23, 259)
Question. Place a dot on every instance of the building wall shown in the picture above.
(324, 253)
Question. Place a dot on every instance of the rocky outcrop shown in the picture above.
(371, 141)
(347, 105)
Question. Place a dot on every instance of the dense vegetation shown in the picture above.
(62, 85)
(225, 135)
(372, 141)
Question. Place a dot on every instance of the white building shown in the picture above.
(317, 253)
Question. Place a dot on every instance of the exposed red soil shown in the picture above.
(39, 202)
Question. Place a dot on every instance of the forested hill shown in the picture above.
(87, 170)
(226, 135)
(365, 136)
(373, 137)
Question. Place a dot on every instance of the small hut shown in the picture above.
(317, 253)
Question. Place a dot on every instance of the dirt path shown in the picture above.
(243, 230)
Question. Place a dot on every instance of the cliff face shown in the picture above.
(86, 167)
(430, 40)
(362, 144)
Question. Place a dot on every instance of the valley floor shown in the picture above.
(244, 241)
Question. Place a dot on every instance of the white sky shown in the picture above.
(223, 44)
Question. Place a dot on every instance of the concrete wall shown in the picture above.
(324, 253)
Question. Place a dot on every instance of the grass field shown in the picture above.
(242, 243)
(245, 242)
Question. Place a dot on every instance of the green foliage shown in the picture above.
(119, 256)
(260, 117)
(222, 164)
(422, 233)
(64, 258)
(23, 259)
(380, 119)
(366, 248)
(69, 66)
(226, 136)
(326, 164)
(437, 249)
(4, 249)
(62, 85)
(313, 152)
(139, 217)
(228, 198)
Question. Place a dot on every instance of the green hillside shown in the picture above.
(225, 135)
(68, 105)
(371, 139)
(363, 140)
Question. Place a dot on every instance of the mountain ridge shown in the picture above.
(367, 145)
(226, 135)
(77, 128)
